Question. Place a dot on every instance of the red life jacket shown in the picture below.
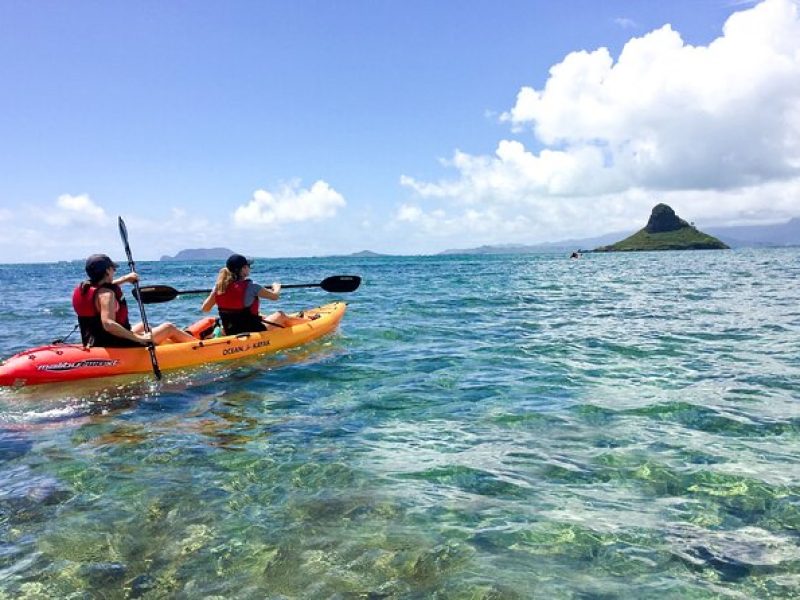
(92, 331)
(233, 298)
(235, 316)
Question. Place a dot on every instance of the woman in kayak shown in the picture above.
(103, 312)
(237, 299)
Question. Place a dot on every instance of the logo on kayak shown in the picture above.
(68, 366)
(237, 349)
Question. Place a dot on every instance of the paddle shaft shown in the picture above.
(283, 287)
(123, 231)
(163, 293)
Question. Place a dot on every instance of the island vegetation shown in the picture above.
(665, 231)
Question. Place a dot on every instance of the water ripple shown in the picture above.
(480, 427)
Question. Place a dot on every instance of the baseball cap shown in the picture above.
(236, 262)
(97, 264)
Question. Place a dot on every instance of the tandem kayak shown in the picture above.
(70, 362)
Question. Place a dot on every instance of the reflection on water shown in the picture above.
(481, 427)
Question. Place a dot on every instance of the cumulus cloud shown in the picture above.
(290, 203)
(514, 173)
(665, 118)
(673, 116)
(75, 210)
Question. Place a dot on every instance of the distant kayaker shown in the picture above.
(575, 254)
(103, 313)
(237, 299)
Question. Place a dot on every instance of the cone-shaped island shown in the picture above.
(666, 231)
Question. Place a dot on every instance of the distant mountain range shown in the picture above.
(743, 236)
(780, 234)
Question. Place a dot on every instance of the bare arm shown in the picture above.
(272, 294)
(108, 306)
(209, 302)
(129, 278)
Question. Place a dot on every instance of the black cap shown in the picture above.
(97, 264)
(236, 261)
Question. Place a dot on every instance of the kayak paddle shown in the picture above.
(153, 294)
(123, 232)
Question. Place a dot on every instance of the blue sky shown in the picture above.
(307, 128)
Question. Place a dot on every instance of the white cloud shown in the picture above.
(514, 174)
(409, 213)
(43, 238)
(75, 210)
(673, 116)
(715, 126)
(289, 204)
(625, 22)
(152, 233)
(541, 219)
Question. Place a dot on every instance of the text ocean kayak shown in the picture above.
(71, 362)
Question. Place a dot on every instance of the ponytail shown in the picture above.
(224, 279)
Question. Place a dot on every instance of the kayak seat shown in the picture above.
(204, 328)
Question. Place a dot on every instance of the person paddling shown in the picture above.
(237, 299)
(103, 312)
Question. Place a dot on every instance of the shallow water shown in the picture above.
(480, 427)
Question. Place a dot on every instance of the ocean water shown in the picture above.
(619, 426)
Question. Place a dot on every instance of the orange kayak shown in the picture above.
(71, 362)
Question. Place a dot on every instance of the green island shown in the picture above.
(665, 231)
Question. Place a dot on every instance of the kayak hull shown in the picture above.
(72, 362)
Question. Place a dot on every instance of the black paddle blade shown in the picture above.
(153, 294)
(123, 231)
(341, 283)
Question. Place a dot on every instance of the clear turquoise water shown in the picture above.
(621, 426)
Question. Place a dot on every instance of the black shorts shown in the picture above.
(234, 323)
(112, 341)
